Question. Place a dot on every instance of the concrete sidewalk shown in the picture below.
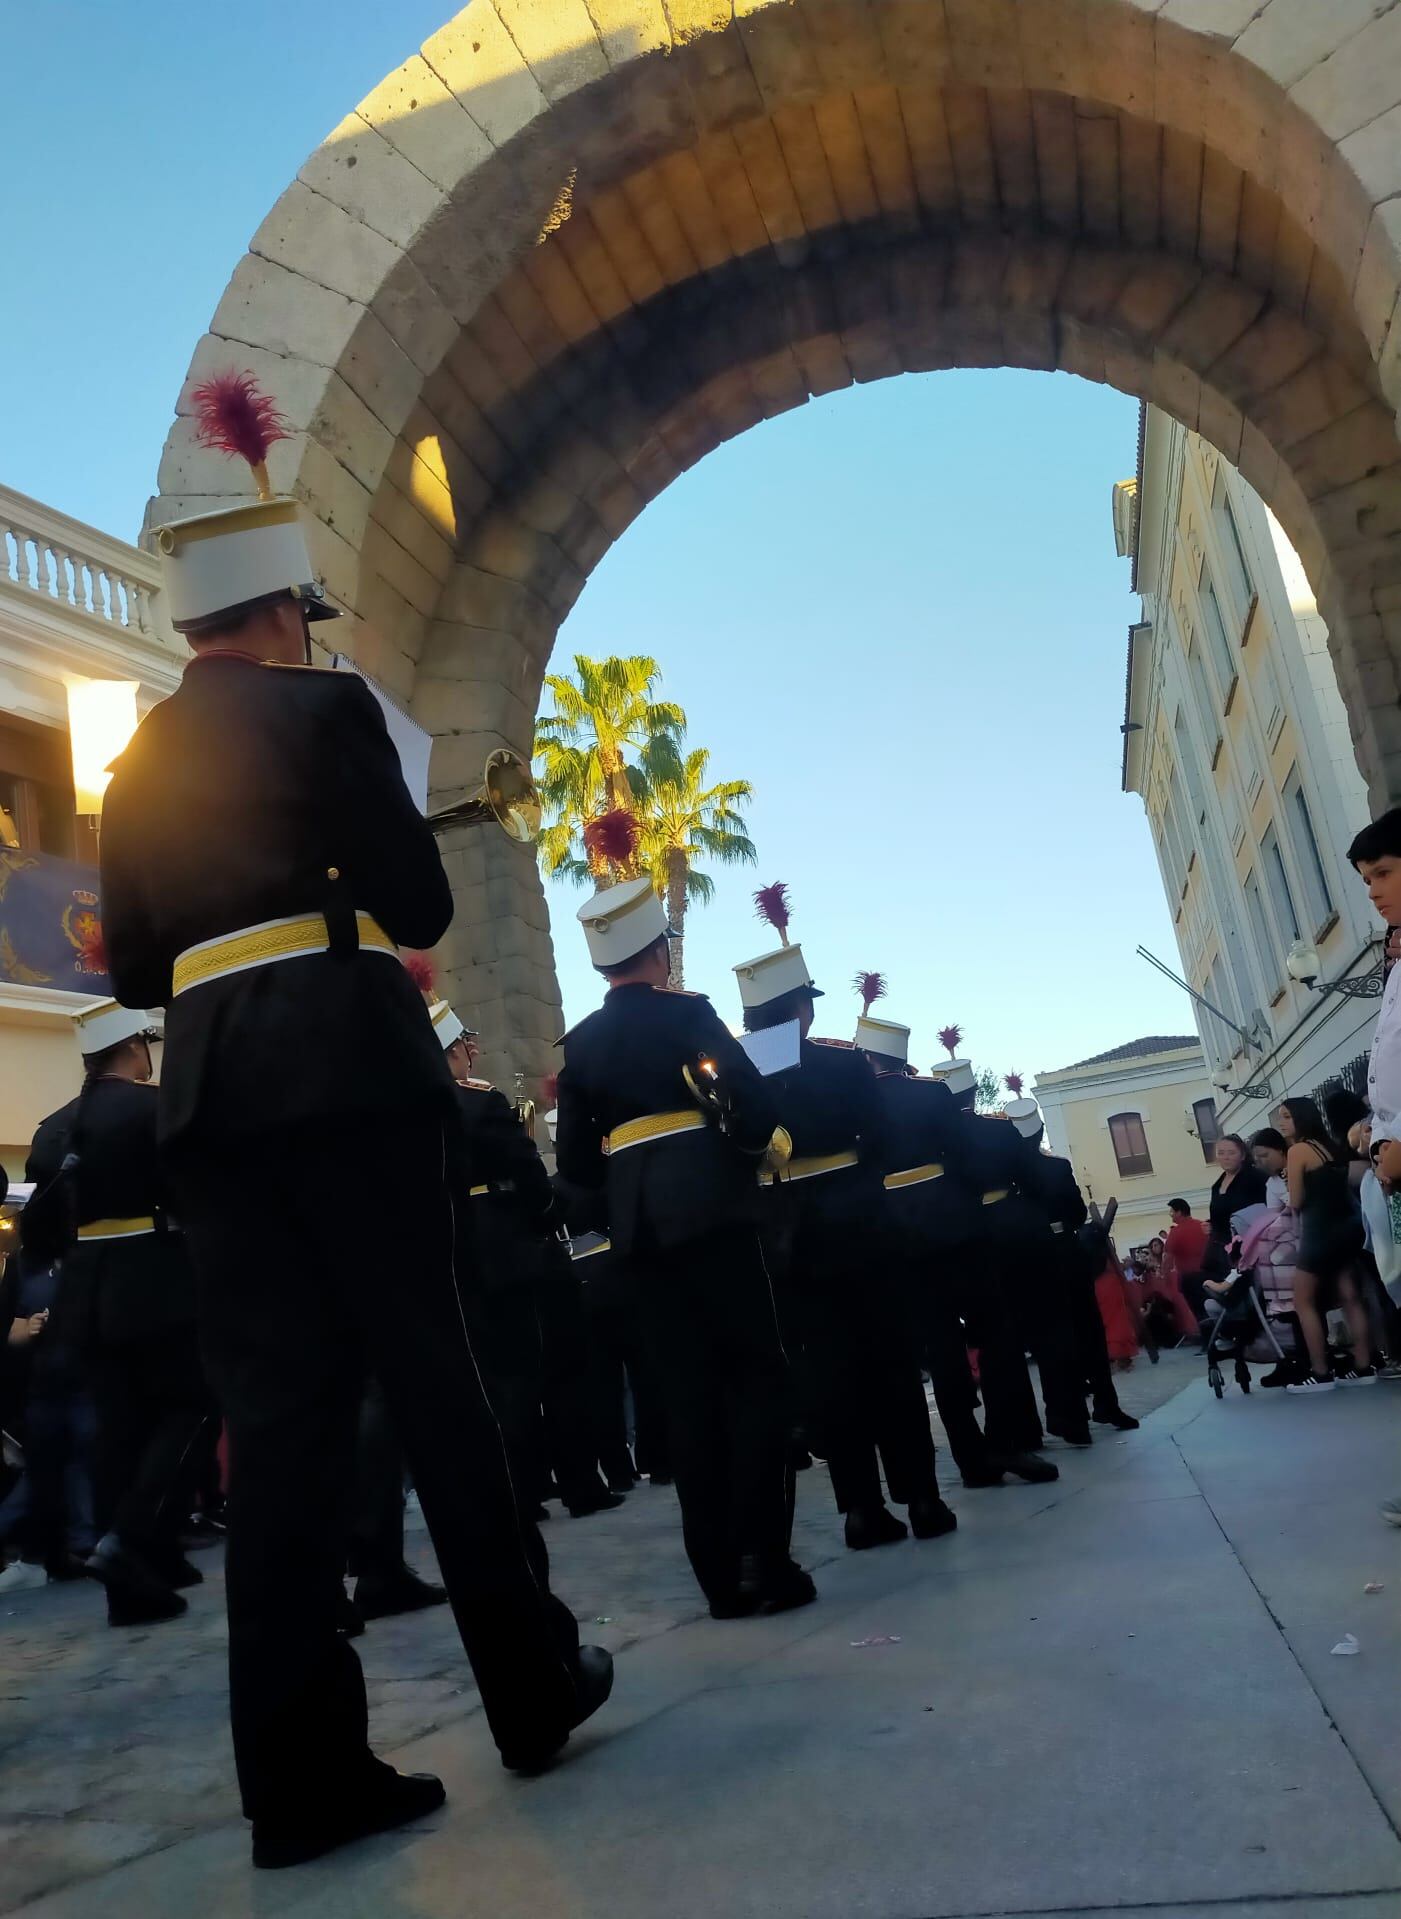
(1112, 1694)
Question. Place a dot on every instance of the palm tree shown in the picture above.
(685, 822)
(601, 713)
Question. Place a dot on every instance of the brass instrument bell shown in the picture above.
(508, 795)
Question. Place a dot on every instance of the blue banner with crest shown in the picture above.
(48, 919)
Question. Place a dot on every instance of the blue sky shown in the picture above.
(897, 611)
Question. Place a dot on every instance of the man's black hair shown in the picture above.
(1270, 1136)
(1381, 840)
(1179, 1206)
(626, 966)
(777, 1012)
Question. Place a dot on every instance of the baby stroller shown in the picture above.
(1239, 1333)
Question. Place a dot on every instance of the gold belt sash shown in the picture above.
(913, 1176)
(998, 1193)
(475, 1192)
(603, 1246)
(262, 945)
(117, 1228)
(640, 1132)
(812, 1167)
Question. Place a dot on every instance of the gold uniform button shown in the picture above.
(333, 872)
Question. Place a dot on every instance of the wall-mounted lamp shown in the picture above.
(101, 721)
(1303, 965)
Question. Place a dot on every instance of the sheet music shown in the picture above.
(776, 1049)
(411, 742)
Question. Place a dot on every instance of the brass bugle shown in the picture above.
(507, 795)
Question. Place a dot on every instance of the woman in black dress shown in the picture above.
(1330, 1244)
(1239, 1184)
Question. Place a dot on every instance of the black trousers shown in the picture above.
(1086, 1325)
(505, 1332)
(566, 1383)
(152, 1404)
(965, 1297)
(1029, 1280)
(377, 1519)
(865, 1391)
(293, 1309)
(708, 1312)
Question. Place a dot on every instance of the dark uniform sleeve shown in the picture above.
(503, 1150)
(139, 971)
(753, 1109)
(394, 867)
(1073, 1208)
(578, 1137)
(870, 1117)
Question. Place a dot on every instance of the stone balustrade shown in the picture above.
(46, 554)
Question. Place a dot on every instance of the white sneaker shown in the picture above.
(22, 1577)
(1311, 1383)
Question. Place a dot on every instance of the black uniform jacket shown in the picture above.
(511, 1223)
(236, 802)
(921, 1121)
(625, 1062)
(830, 1103)
(992, 1157)
(1064, 1205)
(114, 1289)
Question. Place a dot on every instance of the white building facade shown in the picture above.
(75, 606)
(1236, 739)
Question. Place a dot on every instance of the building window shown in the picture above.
(1264, 933)
(1207, 1125)
(1237, 566)
(1268, 699)
(1206, 705)
(1130, 1143)
(1317, 897)
(1220, 645)
(1225, 1039)
(36, 792)
(1277, 879)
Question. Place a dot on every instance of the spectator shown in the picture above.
(1330, 1241)
(1186, 1249)
(1238, 1184)
(1274, 1249)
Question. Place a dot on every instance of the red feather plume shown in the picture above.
(614, 838)
(234, 416)
(1014, 1083)
(549, 1087)
(871, 987)
(92, 945)
(951, 1038)
(421, 970)
(772, 904)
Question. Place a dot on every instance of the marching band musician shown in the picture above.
(1073, 1270)
(683, 1204)
(126, 1301)
(527, 1303)
(862, 1380)
(261, 861)
(938, 1217)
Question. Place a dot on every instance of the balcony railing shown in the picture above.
(78, 569)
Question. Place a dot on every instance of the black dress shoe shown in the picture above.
(931, 1518)
(388, 1799)
(1114, 1416)
(1036, 1472)
(203, 1531)
(742, 1603)
(593, 1681)
(402, 1591)
(868, 1526)
(1072, 1435)
(174, 1569)
(600, 1502)
(136, 1594)
(983, 1476)
(661, 1479)
(786, 1589)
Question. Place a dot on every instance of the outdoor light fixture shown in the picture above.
(1303, 964)
(101, 721)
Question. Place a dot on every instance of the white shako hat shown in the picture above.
(447, 1025)
(1025, 1115)
(956, 1074)
(254, 551)
(883, 1036)
(108, 1024)
(771, 976)
(622, 920)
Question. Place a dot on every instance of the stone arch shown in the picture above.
(567, 249)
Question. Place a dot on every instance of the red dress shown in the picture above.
(1112, 1298)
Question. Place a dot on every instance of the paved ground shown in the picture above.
(1116, 1693)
